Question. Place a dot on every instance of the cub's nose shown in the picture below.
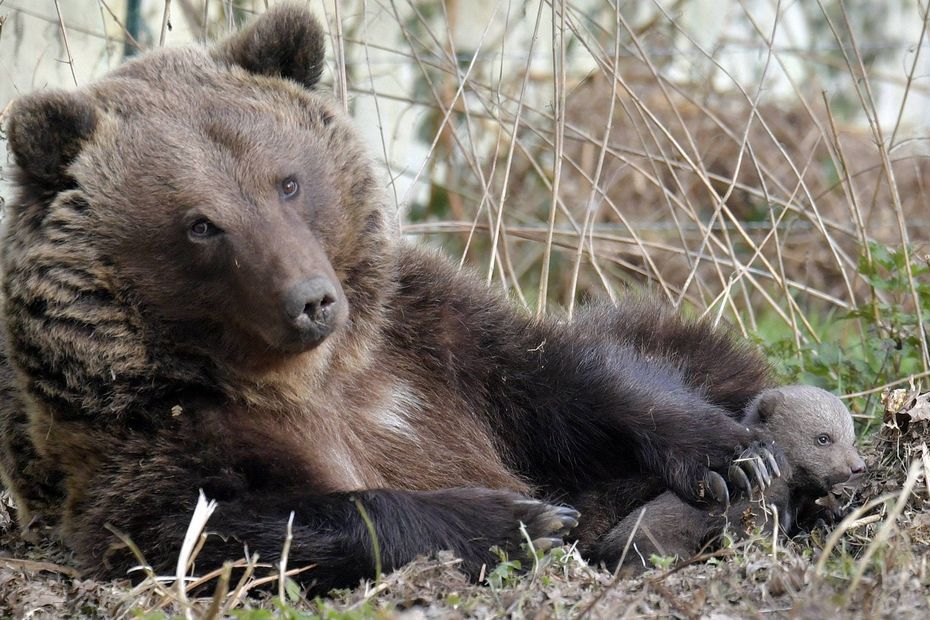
(857, 465)
(311, 307)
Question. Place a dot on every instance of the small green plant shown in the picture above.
(894, 318)
(506, 573)
(877, 342)
(252, 614)
(663, 561)
(150, 615)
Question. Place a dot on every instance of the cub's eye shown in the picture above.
(824, 439)
(289, 187)
(202, 229)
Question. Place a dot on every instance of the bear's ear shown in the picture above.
(45, 132)
(287, 41)
(764, 405)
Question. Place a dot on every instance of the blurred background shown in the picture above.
(761, 162)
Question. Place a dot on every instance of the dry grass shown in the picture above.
(575, 149)
(873, 564)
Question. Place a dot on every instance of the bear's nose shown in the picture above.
(858, 465)
(310, 306)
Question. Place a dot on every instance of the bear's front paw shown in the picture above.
(755, 467)
(507, 520)
(546, 524)
(704, 484)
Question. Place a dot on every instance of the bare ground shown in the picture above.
(874, 564)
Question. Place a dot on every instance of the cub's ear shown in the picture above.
(45, 132)
(764, 405)
(287, 41)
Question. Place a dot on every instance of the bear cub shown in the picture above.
(814, 433)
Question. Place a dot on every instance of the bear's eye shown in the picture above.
(202, 229)
(824, 439)
(289, 187)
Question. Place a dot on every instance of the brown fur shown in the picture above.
(152, 363)
(796, 416)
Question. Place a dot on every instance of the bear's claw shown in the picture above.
(545, 544)
(738, 477)
(772, 463)
(717, 487)
(568, 517)
(548, 520)
(757, 466)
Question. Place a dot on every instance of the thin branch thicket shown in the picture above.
(672, 144)
(558, 98)
(64, 38)
(811, 198)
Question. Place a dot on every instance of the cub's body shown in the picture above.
(816, 440)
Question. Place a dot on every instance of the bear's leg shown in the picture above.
(329, 531)
(598, 412)
(668, 527)
(575, 404)
(671, 527)
(604, 505)
(728, 370)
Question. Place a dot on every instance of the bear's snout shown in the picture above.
(850, 466)
(312, 307)
(856, 464)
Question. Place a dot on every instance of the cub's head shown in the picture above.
(219, 191)
(815, 431)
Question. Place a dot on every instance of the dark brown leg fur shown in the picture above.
(569, 406)
(605, 505)
(153, 507)
(669, 527)
(720, 367)
(727, 370)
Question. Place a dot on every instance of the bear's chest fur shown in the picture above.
(376, 432)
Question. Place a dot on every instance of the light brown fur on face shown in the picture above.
(241, 147)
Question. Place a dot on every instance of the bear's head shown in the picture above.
(207, 200)
(815, 431)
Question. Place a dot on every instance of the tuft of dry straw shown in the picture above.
(165, 24)
(913, 474)
(195, 528)
(282, 565)
(64, 38)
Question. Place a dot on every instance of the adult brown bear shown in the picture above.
(204, 289)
